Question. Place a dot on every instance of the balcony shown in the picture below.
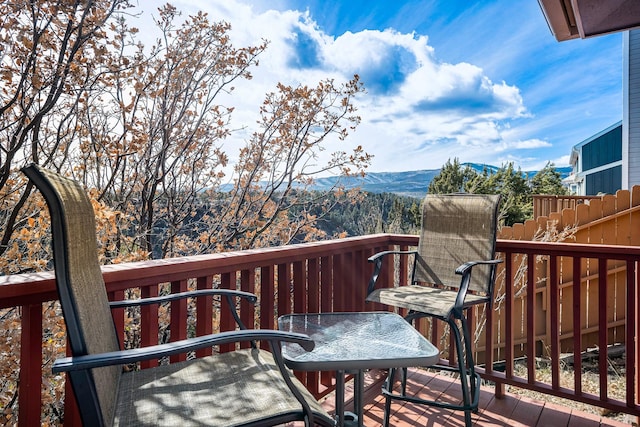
(548, 310)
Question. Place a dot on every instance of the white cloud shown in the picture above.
(528, 144)
(562, 160)
(418, 111)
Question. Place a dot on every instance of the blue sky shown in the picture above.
(481, 81)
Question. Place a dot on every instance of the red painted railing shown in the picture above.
(327, 276)
(570, 260)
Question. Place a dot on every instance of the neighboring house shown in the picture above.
(597, 163)
(610, 160)
(631, 109)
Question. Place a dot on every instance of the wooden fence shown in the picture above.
(607, 220)
(544, 205)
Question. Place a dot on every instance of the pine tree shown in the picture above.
(548, 181)
(453, 178)
(516, 205)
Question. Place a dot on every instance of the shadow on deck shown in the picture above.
(513, 410)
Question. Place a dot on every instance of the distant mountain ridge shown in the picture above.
(410, 183)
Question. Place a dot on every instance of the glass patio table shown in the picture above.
(354, 342)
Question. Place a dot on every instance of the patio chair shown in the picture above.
(248, 387)
(453, 269)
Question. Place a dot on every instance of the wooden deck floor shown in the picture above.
(513, 410)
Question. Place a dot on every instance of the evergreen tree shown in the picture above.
(373, 213)
(415, 214)
(548, 181)
(453, 178)
(516, 205)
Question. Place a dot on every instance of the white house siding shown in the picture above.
(631, 110)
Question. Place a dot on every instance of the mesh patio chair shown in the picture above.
(457, 239)
(249, 387)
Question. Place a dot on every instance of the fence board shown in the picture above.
(530, 228)
(623, 200)
(634, 226)
(608, 205)
(518, 231)
(582, 214)
(569, 217)
(505, 233)
(635, 195)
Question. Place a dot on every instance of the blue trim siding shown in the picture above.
(605, 149)
(607, 181)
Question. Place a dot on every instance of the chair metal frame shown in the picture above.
(66, 198)
(470, 379)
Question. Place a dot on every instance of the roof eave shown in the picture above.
(571, 19)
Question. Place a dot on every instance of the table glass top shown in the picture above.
(356, 341)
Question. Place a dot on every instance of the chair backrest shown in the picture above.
(457, 228)
(81, 290)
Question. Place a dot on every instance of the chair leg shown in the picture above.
(387, 411)
(387, 402)
(404, 381)
(465, 379)
(469, 379)
(470, 362)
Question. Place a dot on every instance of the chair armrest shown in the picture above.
(465, 271)
(380, 255)
(180, 295)
(377, 260)
(123, 357)
(227, 293)
(467, 266)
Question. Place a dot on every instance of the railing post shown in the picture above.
(268, 309)
(577, 331)
(326, 283)
(71, 411)
(326, 303)
(633, 328)
(247, 311)
(227, 281)
(149, 323)
(204, 313)
(508, 327)
(348, 281)
(361, 279)
(29, 393)
(338, 283)
(554, 308)
(531, 319)
(118, 316)
(299, 287)
(178, 326)
(313, 286)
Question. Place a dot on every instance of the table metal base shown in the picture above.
(348, 418)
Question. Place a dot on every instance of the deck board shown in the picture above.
(512, 410)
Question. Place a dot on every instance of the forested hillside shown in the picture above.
(389, 212)
(374, 213)
(412, 183)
